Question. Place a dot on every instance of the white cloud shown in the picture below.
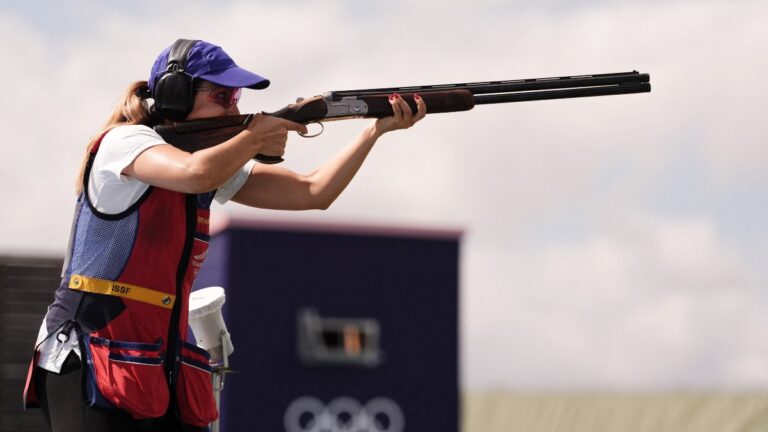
(648, 301)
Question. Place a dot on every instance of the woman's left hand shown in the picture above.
(403, 117)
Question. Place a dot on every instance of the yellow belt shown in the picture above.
(120, 289)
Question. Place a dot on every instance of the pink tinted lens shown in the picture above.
(234, 95)
(225, 96)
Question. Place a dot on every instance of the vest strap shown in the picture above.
(120, 289)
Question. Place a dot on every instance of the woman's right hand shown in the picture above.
(271, 133)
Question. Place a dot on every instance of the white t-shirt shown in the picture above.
(111, 192)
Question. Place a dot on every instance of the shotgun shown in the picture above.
(195, 135)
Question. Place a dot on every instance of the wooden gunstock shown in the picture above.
(195, 135)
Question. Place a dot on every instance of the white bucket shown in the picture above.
(207, 322)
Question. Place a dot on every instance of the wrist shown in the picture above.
(372, 131)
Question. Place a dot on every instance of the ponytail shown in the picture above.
(132, 109)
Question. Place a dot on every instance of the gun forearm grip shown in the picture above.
(437, 102)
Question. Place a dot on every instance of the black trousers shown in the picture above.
(61, 400)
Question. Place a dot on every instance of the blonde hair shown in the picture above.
(132, 109)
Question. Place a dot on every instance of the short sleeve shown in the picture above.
(230, 188)
(122, 145)
(108, 189)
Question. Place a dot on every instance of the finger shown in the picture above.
(421, 107)
(407, 112)
(293, 126)
(397, 110)
(277, 146)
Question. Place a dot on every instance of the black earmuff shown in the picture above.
(174, 94)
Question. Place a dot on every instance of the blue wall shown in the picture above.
(409, 284)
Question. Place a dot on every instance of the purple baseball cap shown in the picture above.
(210, 62)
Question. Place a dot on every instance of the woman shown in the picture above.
(111, 353)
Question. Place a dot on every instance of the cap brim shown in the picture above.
(236, 77)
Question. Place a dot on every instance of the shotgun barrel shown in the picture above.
(526, 89)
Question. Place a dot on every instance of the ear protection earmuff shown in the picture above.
(174, 94)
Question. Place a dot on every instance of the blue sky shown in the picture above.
(625, 234)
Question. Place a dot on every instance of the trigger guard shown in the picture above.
(322, 128)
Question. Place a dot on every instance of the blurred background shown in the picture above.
(613, 249)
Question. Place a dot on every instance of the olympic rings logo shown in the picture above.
(343, 414)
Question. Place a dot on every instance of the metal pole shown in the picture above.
(218, 379)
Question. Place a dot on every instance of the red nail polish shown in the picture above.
(397, 96)
(416, 96)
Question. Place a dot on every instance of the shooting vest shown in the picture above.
(125, 290)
